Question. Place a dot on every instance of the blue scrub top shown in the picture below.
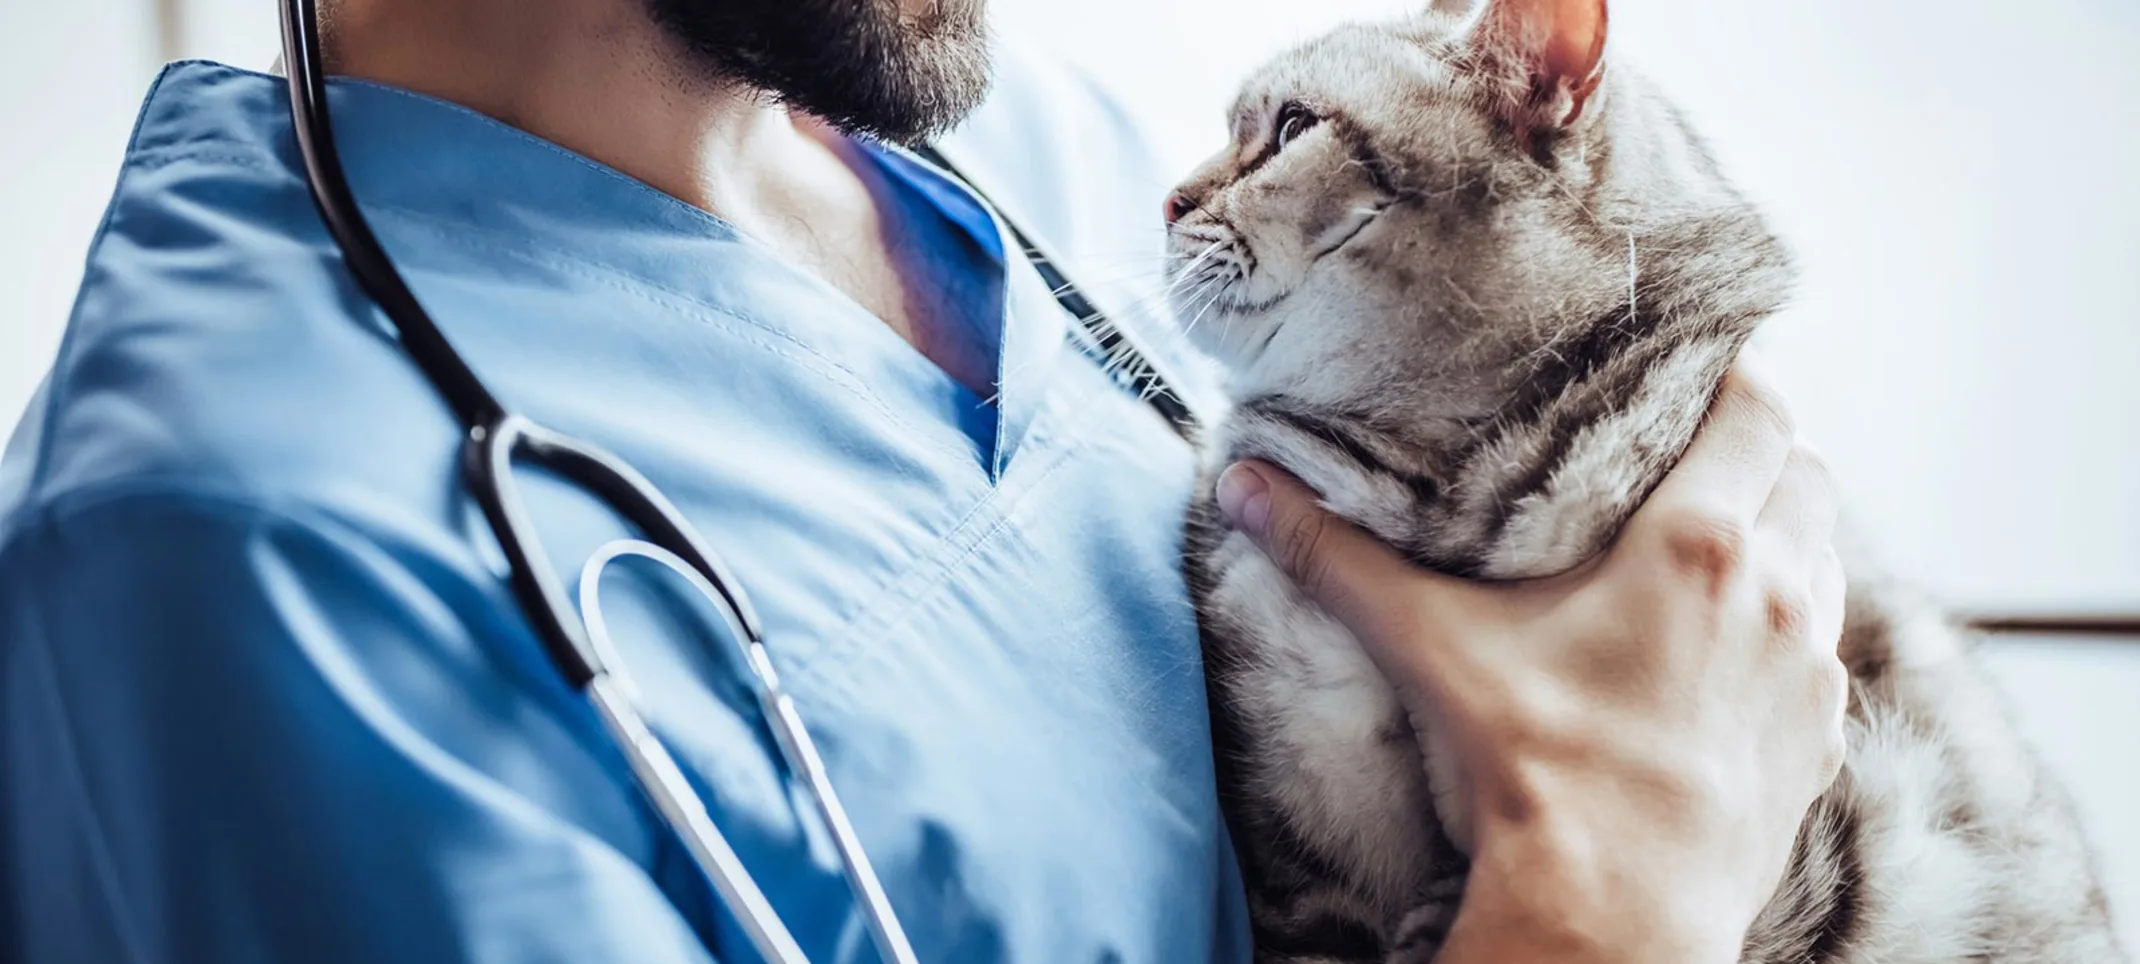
(266, 696)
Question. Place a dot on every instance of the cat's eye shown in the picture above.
(1294, 120)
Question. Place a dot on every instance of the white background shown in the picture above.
(1960, 178)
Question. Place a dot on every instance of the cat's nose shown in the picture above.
(1178, 206)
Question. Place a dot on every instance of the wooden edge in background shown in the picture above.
(170, 30)
(2111, 627)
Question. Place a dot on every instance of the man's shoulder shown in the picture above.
(212, 347)
(221, 392)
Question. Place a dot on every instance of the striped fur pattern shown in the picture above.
(1484, 332)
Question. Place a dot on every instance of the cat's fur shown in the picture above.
(1480, 300)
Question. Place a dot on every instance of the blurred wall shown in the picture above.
(1960, 179)
(71, 76)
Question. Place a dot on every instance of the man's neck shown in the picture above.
(594, 76)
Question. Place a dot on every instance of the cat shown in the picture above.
(1478, 288)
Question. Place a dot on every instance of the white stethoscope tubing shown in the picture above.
(615, 697)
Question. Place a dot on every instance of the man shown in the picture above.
(268, 697)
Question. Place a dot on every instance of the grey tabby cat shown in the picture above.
(1479, 291)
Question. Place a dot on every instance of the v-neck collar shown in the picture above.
(418, 156)
(1032, 324)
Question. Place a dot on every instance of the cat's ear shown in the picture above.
(1553, 50)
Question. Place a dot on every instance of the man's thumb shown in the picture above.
(1344, 570)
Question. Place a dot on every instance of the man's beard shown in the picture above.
(858, 64)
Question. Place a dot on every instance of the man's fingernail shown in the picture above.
(1245, 497)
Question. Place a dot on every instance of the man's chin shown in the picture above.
(859, 65)
(943, 81)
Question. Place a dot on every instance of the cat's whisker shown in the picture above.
(1634, 274)
(1161, 297)
(1192, 301)
(1206, 299)
(1209, 250)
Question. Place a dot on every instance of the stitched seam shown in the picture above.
(449, 228)
(800, 352)
(40, 470)
(891, 604)
(487, 121)
(452, 229)
(607, 275)
(151, 159)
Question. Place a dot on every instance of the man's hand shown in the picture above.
(1642, 737)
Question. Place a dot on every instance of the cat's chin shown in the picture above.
(1238, 344)
(1219, 349)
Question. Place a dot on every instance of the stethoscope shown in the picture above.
(498, 439)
